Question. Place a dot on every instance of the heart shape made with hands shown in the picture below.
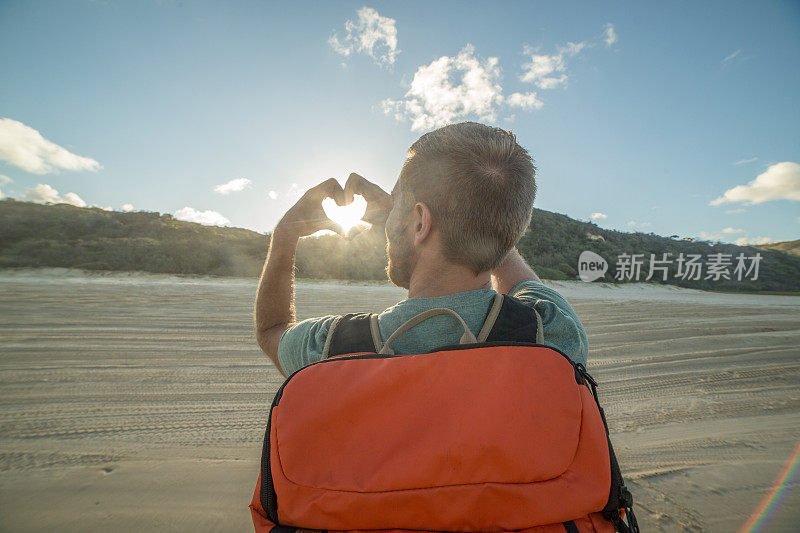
(346, 216)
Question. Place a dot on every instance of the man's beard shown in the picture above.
(402, 258)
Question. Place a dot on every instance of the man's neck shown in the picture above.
(439, 278)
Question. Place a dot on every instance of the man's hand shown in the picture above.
(379, 202)
(274, 306)
(307, 216)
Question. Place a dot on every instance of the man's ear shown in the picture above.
(422, 221)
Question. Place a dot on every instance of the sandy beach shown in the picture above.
(134, 402)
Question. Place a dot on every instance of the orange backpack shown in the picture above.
(499, 433)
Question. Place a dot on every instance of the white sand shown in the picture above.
(138, 402)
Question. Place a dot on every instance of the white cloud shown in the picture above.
(207, 218)
(732, 56)
(744, 241)
(710, 236)
(449, 88)
(295, 191)
(456, 87)
(549, 71)
(73, 199)
(725, 234)
(45, 194)
(780, 181)
(610, 35)
(127, 208)
(235, 185)
(638, 225)
(272, 195)
(598, 216)
(735, 211)
(371, 34)
(745, 161)
(525, 101)
(24, 147)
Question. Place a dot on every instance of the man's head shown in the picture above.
(473, 185)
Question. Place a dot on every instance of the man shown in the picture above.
(463, 199)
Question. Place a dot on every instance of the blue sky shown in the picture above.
(643, 113)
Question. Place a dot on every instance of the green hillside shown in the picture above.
(33, 235)
(790, 247)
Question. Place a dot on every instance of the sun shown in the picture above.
(346, 216)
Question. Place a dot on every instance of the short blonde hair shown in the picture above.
(480, 186)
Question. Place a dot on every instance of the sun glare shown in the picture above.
(346, 216)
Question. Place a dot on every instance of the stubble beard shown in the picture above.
(402, 258)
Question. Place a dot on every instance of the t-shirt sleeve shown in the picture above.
(302, 344)
(562, 328)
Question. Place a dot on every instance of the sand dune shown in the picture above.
(138, 402)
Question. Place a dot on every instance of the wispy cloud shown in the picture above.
(610, 35)
(24, 147)
(372, 34)
(598, 216)
(529, 100)
(725, 236)
(453, 88)
(235, 185)
(548, 71)
(730, 57)
(633, 224)
(272, 195)
(45, 194)
(207, 218)
(780, 181)
(753, 241)
(746, 161)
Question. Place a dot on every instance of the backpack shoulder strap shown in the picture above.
(511, 320)
(353, 333)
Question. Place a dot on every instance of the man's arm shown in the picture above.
(274, 311)
(511, 271)
(274, 305)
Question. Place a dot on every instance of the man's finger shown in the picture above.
(353, 186)
(330, 188)
(357, 184)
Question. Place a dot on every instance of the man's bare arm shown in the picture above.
(511, 271)
(274, 305)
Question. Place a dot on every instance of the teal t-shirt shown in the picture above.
(302, 344)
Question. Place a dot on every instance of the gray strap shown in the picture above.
(466, 338)
(491, 318)
(377, 340)
(539, 326)
(326, 350)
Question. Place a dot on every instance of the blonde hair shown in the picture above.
(479, 185)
